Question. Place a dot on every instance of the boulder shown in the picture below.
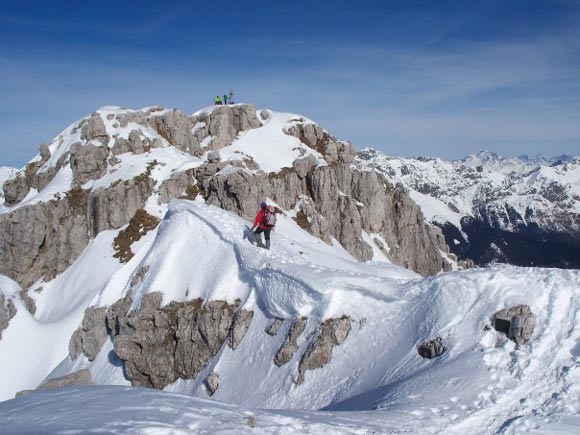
(91, 335)
(212, 383)
(274, 327)
(290, 346)
(94, 128)
(431, 348)
(88, 162)
(517, 323)
(333, 332)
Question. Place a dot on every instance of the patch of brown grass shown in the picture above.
(139, 225)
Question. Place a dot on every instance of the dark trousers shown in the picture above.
(266, 232)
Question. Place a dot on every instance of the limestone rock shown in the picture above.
(431, 348)
(274, 327)
(213, 157)
(304, 165)
(15, 189)
(290, 346)
(212, 383)
(28, 302)
(94, 128)
(333, 332)
(224, 124)
(91, 335)
(81, 377)
(88, 162)
(161, 344)
(44, 152)
(240, 325)
(7, 312)
(517, 322)
(175, 127)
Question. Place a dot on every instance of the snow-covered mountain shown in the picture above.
(522, 210)
(128, 261)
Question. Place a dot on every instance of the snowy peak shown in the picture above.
(485, 195)
(506, 165)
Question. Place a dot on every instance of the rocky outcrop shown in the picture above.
(334, 151)
(224, 124)
(212, 383)
(88, 162)
(290, 346)
(81, 377)
(517, 323)
(7, 312)
(431, 348)
(273, 328)
(333, 332)
(341, 202)
(161, 344)
(135, 144)
(333, 201)
(42, 240)
(91, 335)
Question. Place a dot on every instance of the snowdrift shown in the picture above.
(483, 383)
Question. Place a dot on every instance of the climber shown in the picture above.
(225, 99)
(264, 223)
(231, 98)
(218, 101)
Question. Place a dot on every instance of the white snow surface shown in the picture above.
(375, 382)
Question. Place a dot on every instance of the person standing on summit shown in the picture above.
(264, 223)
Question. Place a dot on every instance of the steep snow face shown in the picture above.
(526, 195)
(482, 380)
(6, 173)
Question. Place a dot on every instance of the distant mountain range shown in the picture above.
(520, 210)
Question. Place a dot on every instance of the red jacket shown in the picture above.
(260, 217)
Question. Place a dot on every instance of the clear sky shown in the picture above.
(432, 78)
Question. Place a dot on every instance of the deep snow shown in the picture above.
(483, 383)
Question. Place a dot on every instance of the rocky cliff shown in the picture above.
(103, 169)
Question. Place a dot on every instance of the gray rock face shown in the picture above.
(225, 123)
(517, 322)
(304, 165)
(340, 202)
(175, 127)
(42, 240)
(94, 128)
(334, 151)
(241, 323)
(88, 162)
(431, 348)
(333, 332)
(7, 312)
(274, 327)
(91, 336)
(134, 144)
(290, 346)
(160, 345)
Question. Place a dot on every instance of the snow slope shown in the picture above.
(483, 383)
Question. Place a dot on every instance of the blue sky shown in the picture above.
(433, 78)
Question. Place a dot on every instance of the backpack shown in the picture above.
(269, 217)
